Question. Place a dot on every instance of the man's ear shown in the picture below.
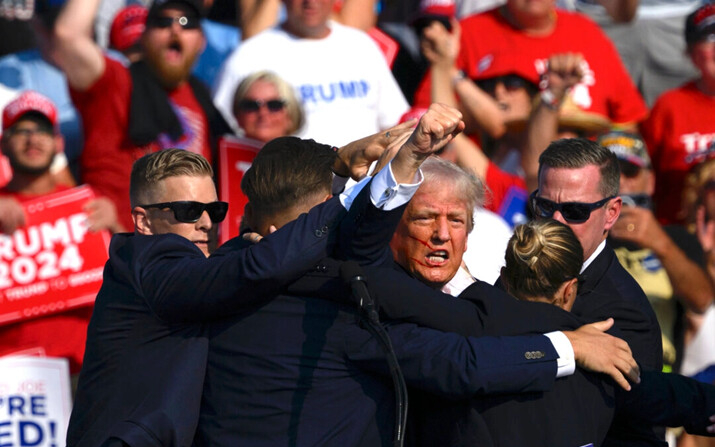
(142, 222)
(613, 210)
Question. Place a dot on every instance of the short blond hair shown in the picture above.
(149, 170)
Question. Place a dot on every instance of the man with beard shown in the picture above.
(128, 112)
(30, 140)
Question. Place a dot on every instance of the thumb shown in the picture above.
(603, 326)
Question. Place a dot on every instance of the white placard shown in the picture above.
(35, 401)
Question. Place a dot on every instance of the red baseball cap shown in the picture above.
(127, 27)
(28, 101)
(431, 10)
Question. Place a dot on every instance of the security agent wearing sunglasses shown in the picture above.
(578, 185)
(666, 260)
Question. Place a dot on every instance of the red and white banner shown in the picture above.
(35, 401)
(53, 263)
(235, 157)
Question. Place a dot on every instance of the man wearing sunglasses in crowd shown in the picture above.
(667, 261)
(130, 111)
(578, 186)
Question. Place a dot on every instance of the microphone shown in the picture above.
(352, 273)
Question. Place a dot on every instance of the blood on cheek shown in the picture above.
(426, 244)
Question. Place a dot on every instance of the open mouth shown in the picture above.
(174, 50)
(437, 258)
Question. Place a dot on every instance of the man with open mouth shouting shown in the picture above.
(153, 104)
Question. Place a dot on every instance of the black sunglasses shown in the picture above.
(254, 105)
(573, 212)
(167, 21)
(188, 211)
(510, 82)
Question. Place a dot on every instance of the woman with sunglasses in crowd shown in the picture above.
(266, 107)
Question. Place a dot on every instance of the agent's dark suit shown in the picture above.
(299, 371)
(607, 290)
(146, 352)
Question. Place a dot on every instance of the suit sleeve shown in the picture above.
(668, 399)
(480, 310)
(457, 367)
(180, 285)
(366, 231)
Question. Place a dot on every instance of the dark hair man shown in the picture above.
(153, 104)
(578, 186)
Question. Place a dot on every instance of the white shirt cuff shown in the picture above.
(387, 194)
(566, 361)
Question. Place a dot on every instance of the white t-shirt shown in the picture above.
(346, 87)
(486, 245)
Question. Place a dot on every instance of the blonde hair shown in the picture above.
(285, 92)
(540, 256)
(696, 179)
(149, 170)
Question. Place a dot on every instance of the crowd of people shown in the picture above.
(548, 163)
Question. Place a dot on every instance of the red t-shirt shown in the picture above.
(678, 133)
(491, 47)
(499, 183)
(57, 335)
(107, 158)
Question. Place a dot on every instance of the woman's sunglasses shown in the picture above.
(251, 105)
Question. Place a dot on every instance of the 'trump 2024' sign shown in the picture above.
(53, 263)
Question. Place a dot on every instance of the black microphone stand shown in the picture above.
(352, 274)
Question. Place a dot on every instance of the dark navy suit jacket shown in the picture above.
(300, 371)
(146, 349)
(607, 290)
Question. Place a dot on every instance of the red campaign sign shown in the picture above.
(5, 171)
(387, 44)
(235, 157)
(53, 263)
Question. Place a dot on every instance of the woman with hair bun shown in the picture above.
(543, 261)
